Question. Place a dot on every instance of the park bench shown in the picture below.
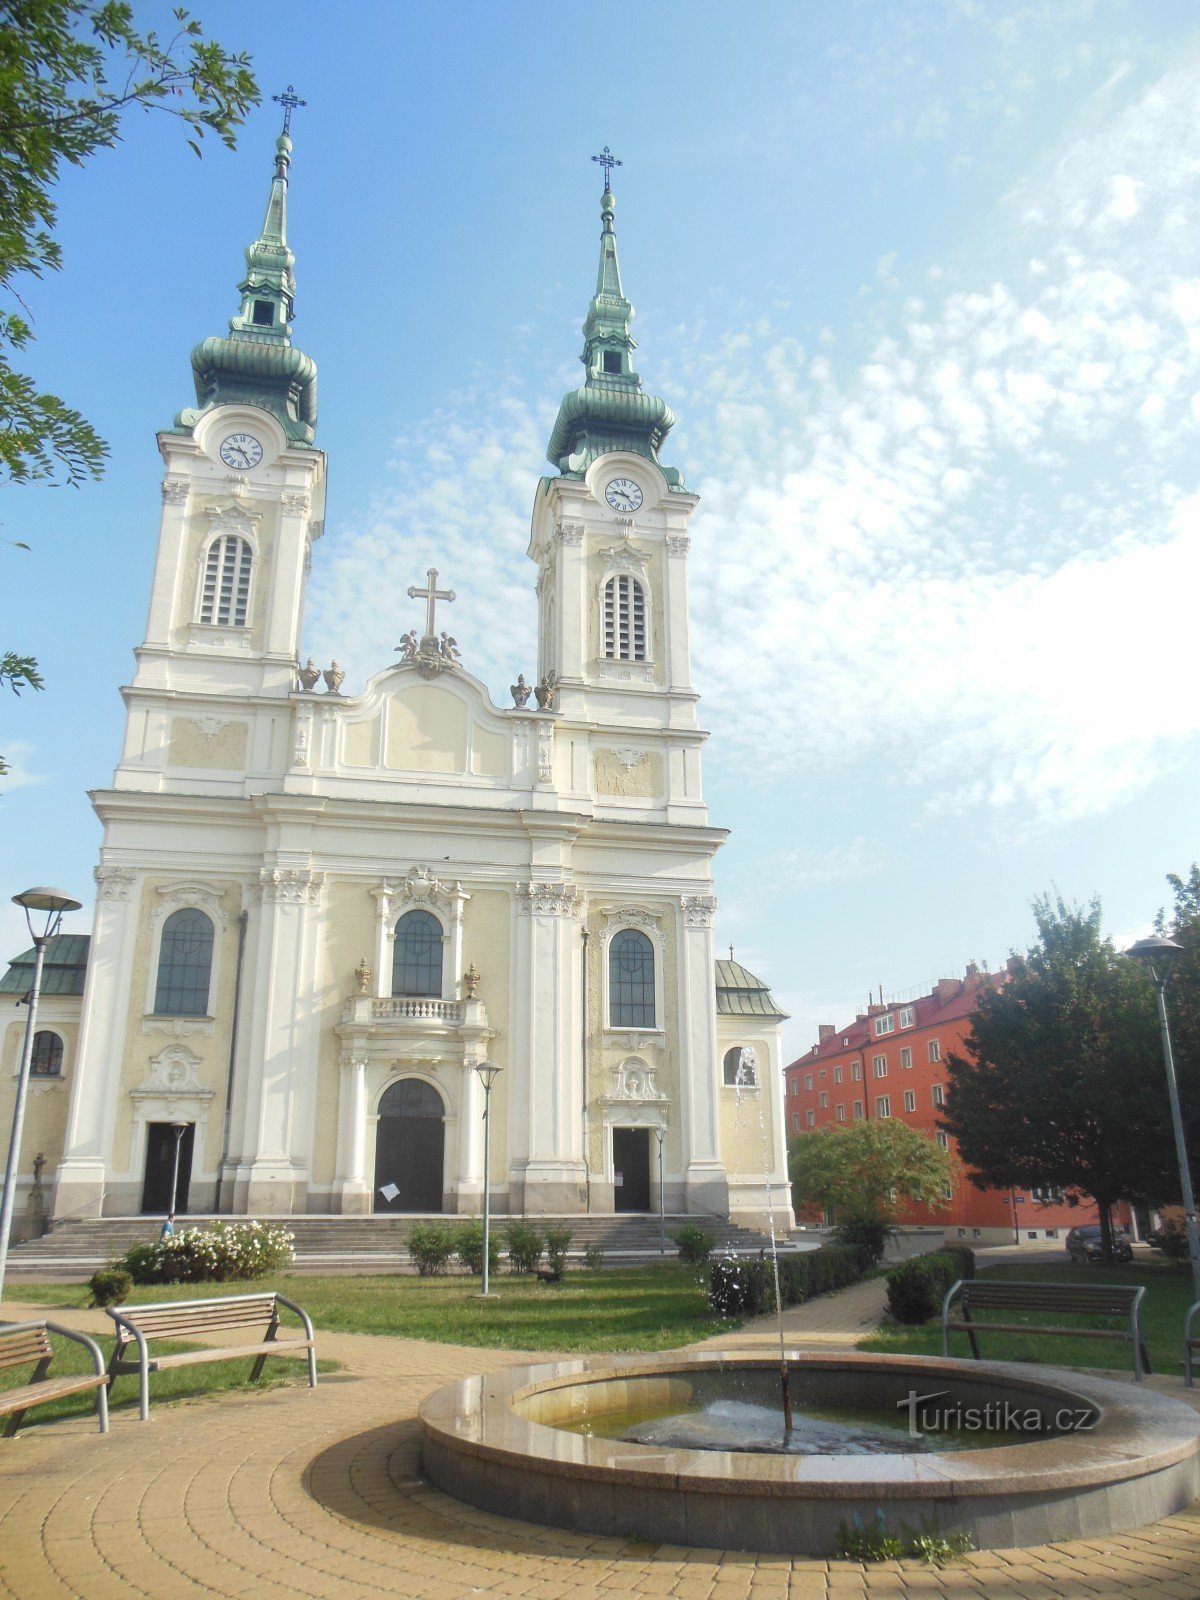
(989, 1296)
(187, 1319)
(29, 1341)
(1190, 1343)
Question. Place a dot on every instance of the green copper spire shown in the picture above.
(610, 411)
(257, 364)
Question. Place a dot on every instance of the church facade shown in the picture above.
(318, 912)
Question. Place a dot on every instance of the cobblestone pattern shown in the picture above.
(318, 1494)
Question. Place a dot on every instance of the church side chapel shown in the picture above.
(318, 912)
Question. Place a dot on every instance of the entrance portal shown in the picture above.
(631, 1169)
(409, 1144)
(160, 1168)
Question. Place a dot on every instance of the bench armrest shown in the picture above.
(950, 1293)
(303, 1315)
(80, 1338)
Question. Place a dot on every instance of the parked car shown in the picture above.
(1085, 1244)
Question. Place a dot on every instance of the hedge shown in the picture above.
(916, 1288)
(745, 1286)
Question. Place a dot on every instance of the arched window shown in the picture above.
(417, 955)
(184, 965)
(624, 620)
(225, 597)
(739, 1074)
(630, 980)
(47, 1055)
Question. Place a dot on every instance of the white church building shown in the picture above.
(318, 912)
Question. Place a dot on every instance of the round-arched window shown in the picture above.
(47, 1054)
(411, 1097)
(630, 980)
(740, 1068)
(184, 965)
(417, 955)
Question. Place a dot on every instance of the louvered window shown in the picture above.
(624, 620)
(225, 597)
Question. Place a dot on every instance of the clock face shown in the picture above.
(623, 494)
(241, 451)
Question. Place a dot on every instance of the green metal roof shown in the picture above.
(63, 970)
(610, 412)
(741, 994)
(257, 364)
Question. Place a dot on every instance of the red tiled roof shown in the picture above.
(930, 1010)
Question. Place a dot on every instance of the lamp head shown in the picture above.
(52, 901)
(488, 1073)
(1157, 955)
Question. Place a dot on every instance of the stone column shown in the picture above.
(551, 1108)
(384, 939)
(95, 1092)
(706, 1186)
(352, 1185)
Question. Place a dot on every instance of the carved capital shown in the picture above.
(290, 886)
(175, 491)
(114, 883)
(548, 899)
(678, 544)
(296, 505)
(698, 910)
(568, 532)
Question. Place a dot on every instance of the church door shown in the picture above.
(160, 1167)
(409, 1145)
(631, 1169)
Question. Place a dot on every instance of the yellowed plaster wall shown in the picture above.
(224, 750)
(641, 781)
(360, 743)
(747, 1129)
(47, 1101)
(147, 1035)
(426, 731)
(487, 943)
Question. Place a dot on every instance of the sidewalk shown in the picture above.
(318, 1494)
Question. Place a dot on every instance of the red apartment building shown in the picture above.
(891, 1062)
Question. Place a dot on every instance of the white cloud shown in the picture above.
(19, 774)
(806, 869)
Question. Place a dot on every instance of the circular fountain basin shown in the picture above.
(1081, 1456)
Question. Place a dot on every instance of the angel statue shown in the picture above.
(449, 648)
(409, 645)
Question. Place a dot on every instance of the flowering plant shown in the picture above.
(220, 1253)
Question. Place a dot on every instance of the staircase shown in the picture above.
(74, 1249)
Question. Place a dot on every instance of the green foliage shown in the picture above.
(745, 1286)
(695, 1244)
(593, 1258)
(430, 1247)
(468, 1246)
(18, 672)
(867, 1235)
(524, 1245)
(220, 1253)
(935, 1547)
(862, 1171)
(859, 1543)
(110, 1286)
(1172, 1241)
(1062, 1080)
(558, 1242)
(916, 1289)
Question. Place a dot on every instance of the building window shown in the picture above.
(824, 1102)
(264, 314)
(935, 1050)
(225, 596)
(630, 980)
(735, 1075)
(943, 1139)
(1052, 1233)
(976, 1233)
(837, 1074)
(795, 1122)
(906, 1016)
(962, 1233)
(939, 1095)
(1050, 1196)
(858, 1110)
(624, 619)
(906, 1057)
(947, 1192)
(793, 1086)
(883, 1106)
(184, 965)
(811, 1118)
(856, 1070)
(910, 1100)
(808, 1080)
(822, 1073)
(417, 955)
(879, 1063)
(47, 1055)
(884, 1025)
(840, 1113)
(612, 361)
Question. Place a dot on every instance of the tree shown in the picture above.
(1061, 1084)
(69, 72)
(861, 1171)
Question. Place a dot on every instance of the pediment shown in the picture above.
(407, 722)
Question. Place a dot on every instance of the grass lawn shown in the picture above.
(642, 1308)
(177, 1383)
(1168, 1295)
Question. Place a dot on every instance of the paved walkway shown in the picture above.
(318, 1494)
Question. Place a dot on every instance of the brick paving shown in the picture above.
(319, 1495)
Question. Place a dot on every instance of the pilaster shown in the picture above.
(705, 1182)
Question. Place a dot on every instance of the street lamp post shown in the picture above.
(487, 1076)
(180, 1128)
(662, 1195)
(1159, 955)
(54, 903)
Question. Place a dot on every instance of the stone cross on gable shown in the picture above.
(431, 594)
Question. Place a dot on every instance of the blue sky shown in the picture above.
(922, 283)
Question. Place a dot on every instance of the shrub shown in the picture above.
(558, 1242)
(866, 1235)
(917, 1288)
(110, 1286)
(524, 1245)
(223, 1252)
(593, 1257)
(1172, 1241)
(745, 1286)
(695, 1244)
(468, 1246)
(431, 1244)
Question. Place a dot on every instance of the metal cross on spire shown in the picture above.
(431, 594)
(608, 161)
(289, 100)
